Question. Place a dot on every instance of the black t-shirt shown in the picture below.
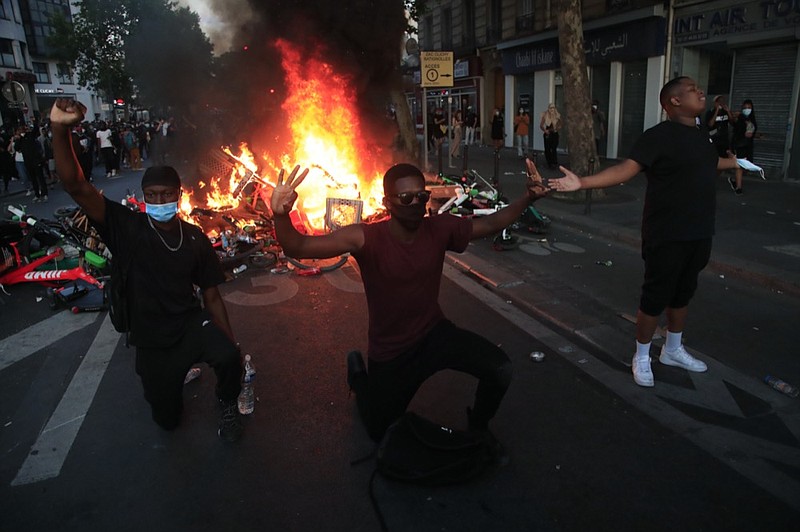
(719, 131)
(160, 282)
(681, 167)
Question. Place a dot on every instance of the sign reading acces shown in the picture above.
(437, 69)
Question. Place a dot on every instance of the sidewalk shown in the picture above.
(757, 234)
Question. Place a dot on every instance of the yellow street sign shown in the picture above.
(436, 69)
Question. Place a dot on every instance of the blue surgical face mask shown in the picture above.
(746, 112)
(161, 212)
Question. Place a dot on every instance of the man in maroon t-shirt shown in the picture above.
(401, 262)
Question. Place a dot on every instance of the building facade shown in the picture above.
(32, 79)
(506, 55)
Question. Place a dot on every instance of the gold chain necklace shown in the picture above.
(180, 228)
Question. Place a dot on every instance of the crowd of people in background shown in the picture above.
(26, 151)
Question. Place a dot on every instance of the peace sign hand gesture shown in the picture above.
(284, 195)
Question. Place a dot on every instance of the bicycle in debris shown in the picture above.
(254, 193)
(44, 252)
(476, 196)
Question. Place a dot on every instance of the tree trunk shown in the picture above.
(580, 142)
(405, 123)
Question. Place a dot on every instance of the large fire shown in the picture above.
(327, 137)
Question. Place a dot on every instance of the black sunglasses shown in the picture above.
(407, 197)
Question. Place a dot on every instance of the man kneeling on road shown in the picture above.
(167, 258)
(401, 263)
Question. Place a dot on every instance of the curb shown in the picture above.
(719, 263)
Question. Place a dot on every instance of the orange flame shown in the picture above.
(327, 137)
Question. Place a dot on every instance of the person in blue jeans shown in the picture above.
(401, 260)
(681, 163)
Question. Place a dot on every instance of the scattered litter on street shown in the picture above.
(537, 356)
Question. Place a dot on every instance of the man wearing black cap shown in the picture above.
(167, 258)
(401, 263)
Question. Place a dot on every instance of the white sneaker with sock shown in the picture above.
(681, 359)
(642, 372)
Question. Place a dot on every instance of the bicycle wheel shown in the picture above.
(266, 259)
(324, 265)
(241, 254)
(36, 242)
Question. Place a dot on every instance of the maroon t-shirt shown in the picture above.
(402, 280)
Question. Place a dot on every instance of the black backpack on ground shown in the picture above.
(417, 450)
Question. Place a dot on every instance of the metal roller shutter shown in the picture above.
(765, 74)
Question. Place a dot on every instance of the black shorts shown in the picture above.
(670, 273)
(722, 147)
(744, 152)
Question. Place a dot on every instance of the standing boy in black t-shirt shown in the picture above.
(680, 163)
(164, 258)
(717, 120)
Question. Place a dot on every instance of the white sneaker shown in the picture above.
(113, 173)
(44, 198)
(642, 373)
(28, 192)
(681, 359)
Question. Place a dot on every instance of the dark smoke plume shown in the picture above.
(360, 38)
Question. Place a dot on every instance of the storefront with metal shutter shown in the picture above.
(747, 50)
(760, 74)
(626, 57)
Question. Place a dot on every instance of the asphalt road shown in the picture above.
(589, 449)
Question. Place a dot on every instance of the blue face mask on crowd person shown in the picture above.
(161, 212)
(746, 112)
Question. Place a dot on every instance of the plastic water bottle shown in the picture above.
(247, 399)
(782, 386)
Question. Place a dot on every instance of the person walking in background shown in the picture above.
(717, 119)
(521, 129)
(7, 170)
(106, 143)
(131, 144)
(470, 123)
(33, 156)
(744, 131)
(550, 123)
(455, 138)
(677, 223)
(498, 135)
(598, 125)
(15, 149)
(439, 129)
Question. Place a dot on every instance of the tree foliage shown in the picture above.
(153, 49)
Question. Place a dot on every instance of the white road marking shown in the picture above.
(285, 289)
(27, 342)
(793, 250)
(51, 448)
(754, 458)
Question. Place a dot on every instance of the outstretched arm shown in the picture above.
(65, 114)
(345, 240)
(613, 175)
(495, 223)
